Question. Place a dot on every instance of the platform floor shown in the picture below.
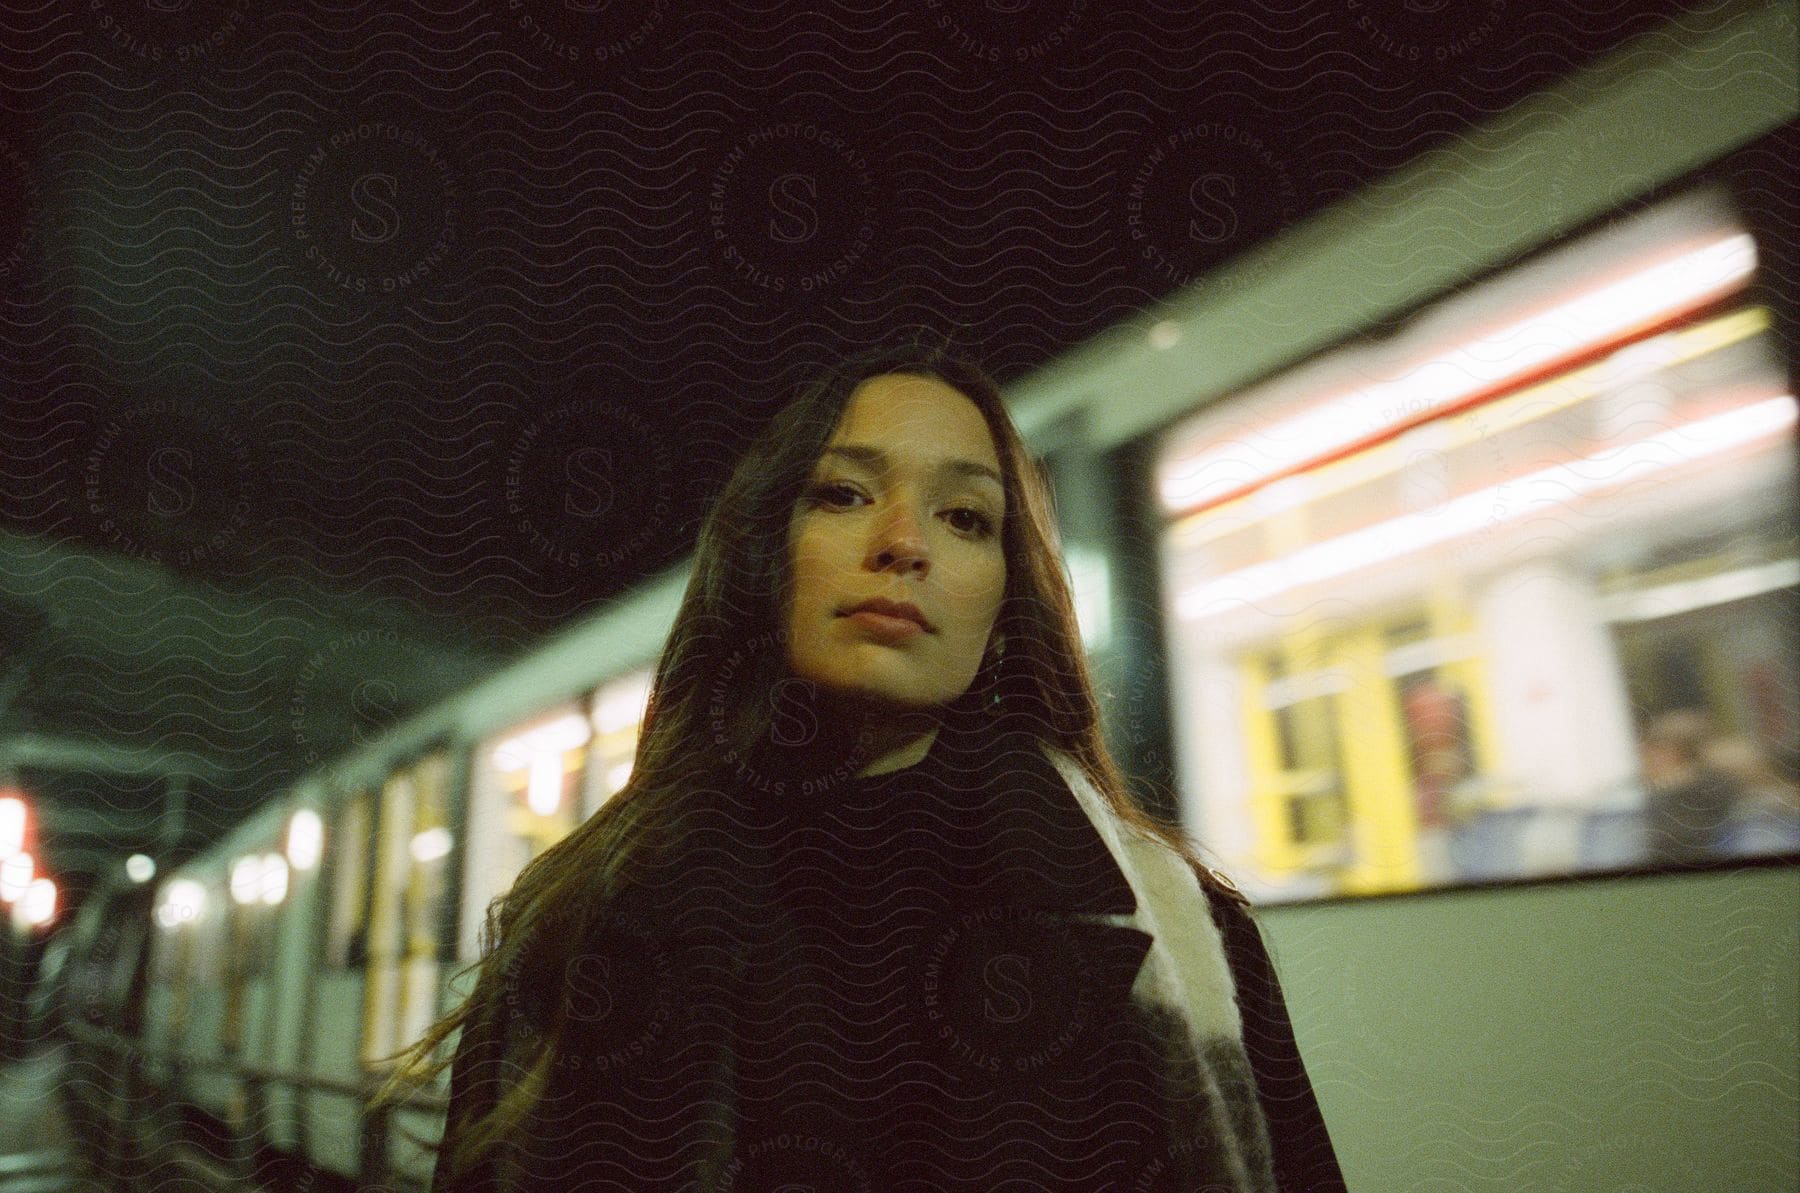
(38, 1152)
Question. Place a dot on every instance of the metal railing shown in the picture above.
(147, 1070)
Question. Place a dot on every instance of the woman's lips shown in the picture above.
(880, 625)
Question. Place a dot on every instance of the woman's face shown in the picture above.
(904, 504)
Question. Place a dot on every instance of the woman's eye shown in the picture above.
(822, 493)
(980, 525)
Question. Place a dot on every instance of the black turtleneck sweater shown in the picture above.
(935, 1005)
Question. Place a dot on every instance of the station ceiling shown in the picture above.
(346, 353)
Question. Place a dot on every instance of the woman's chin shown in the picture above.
(883, 694)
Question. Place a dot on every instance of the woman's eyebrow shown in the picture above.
(875, 458)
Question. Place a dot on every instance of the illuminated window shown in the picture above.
(257, 885)
(525, 795)
(1429, 597)
(407, 934)
(616, 713)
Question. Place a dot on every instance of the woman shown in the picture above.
(875, 910)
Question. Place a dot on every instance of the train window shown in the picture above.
(1502, 595)
(346, 942)
(408, 907)
(616, 714)
(525, 794)
(247, 926)
(209, 940)
(186, 955)
(426, 894)
(181, 906)
(258, 884)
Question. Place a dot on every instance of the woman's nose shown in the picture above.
(899, 538)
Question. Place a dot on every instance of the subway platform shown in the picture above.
(45, 1149)
(39, 1149)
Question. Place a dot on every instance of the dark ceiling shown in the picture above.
(347, 352)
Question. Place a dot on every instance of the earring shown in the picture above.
(990, 703)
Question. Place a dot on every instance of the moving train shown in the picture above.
(1391, 543)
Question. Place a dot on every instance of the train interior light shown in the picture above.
(1532, 495)
(305, 839)
(182, 903)
(428, 845)
(259, 878)
(272, 884)
(1683, 596)
(522, 750)
(246, 874)
(620, 704)
(540, 751)
(544, 792)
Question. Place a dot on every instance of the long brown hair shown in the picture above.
(707, 689)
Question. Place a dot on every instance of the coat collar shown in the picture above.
(1188, 953)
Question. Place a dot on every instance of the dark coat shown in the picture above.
(1000, 1034)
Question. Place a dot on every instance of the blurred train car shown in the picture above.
(91, 984)
(1448, 495)
(320, 935)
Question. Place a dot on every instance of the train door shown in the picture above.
(238, 948)
(294, 974)
(177, 957)
(181, 950)
(1365, 742)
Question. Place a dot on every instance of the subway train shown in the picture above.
(1393, 544)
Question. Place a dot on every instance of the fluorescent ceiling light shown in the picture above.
(1667, 600)
(1508, 501)
(553, 737)
(1516, 351)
